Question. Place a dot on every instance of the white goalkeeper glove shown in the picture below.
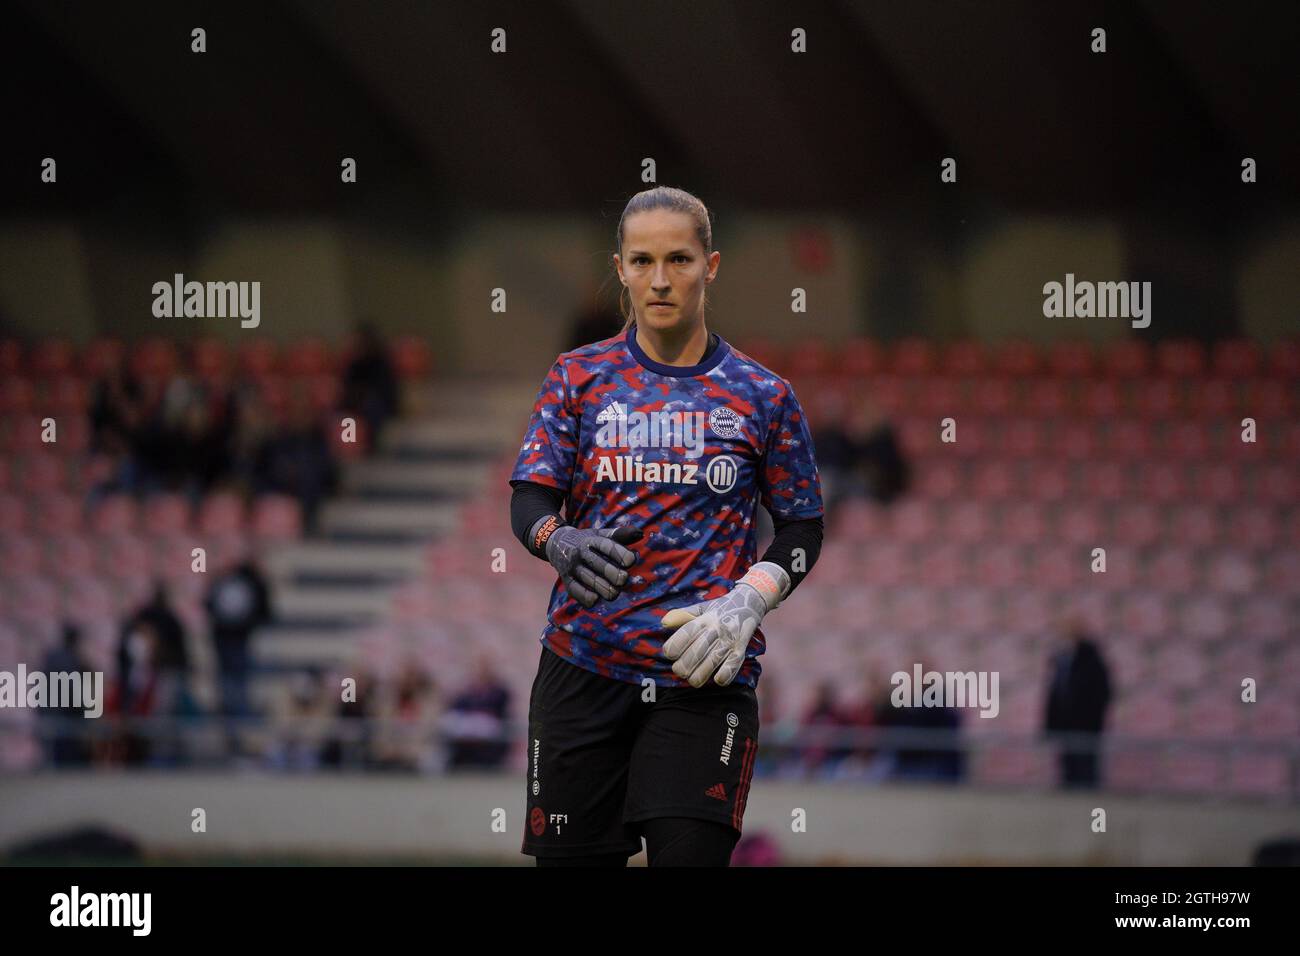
(713, 635)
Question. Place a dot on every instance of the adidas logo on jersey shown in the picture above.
(612, 412)
(717, 791)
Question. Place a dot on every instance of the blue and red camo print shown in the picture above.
(684, 454)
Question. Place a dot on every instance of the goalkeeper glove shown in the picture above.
(591, 562)
(713, 635)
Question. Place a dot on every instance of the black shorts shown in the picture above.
(602, 757)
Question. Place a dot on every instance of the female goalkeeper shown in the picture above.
(659, 443)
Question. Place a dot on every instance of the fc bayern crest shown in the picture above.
(724, 422)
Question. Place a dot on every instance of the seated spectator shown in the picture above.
(67, 743)
(370, 384)
(475, 723)
(297, 461)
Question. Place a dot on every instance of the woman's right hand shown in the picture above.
(591, 562)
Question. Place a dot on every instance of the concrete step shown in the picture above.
(366, 520)
(321, 557)
(469, 436)
(350, 603)
(282, 650)
(395, 477)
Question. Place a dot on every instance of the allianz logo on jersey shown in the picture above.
(620, 428)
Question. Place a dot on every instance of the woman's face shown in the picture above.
(663, 261)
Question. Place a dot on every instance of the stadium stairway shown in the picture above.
(372, 537)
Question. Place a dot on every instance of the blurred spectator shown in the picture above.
(825, 711)
(859, 451)
(302, 724)
(370, 384)
(136, 695)
(296, 461)
(349, 745)
(66, 745)
(172, 652)
(756, 850)
(936, 759)
(237, 603)
(594, 321)
(1077, 697)
(405, 742)
(475, 723)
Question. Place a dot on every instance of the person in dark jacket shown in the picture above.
(1077, 697)
(238, 603)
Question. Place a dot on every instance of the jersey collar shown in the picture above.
(676, 371)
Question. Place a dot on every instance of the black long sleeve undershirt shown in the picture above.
(532, 501)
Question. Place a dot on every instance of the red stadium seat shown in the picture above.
(11, 357)
(221, 513)
(412, 358)
(51, 358)
(938, 479)
(1156, 398)
(1101, 399)
(1237, 358)
(154, 358)
(1213, 398)
(1022, 438)
(211, 360)
(17, 396)
(1229, 571)
(1024, 522)
(1160, 481)
(166, 515)
(1186, 440)
(115, 515)
(913, 520)
(1047, 480)
(1073, 440)
(70, 555)
(992, 396)
(1264, 617)
(1057, 566)
(1082, 524)
(1126, 359)
(1277, 484)
(994, 478)
(1260, 774)
(1218, 482)
(1071, 359)
(963, 358)
(58, 514)
(861, 358)
(42, 472)
(1194, 526)
(1265, 400)
(1047, 398)
(996, 565)
(1172, 569)
(308, 358)
(100, 356)
(277, 517)
(1104, 481)
(1202, 617)
(939, 397)
(259, 359)
(1284, 360)
(967, 521)
(1017, 359)
(913, 356)
(1181, 358)
(1144, 614)
(1250, 526)
(13, 514)
(941, 566)
(69, 395)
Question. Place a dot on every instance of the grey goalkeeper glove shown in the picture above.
(591, 562)
(713, 635)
